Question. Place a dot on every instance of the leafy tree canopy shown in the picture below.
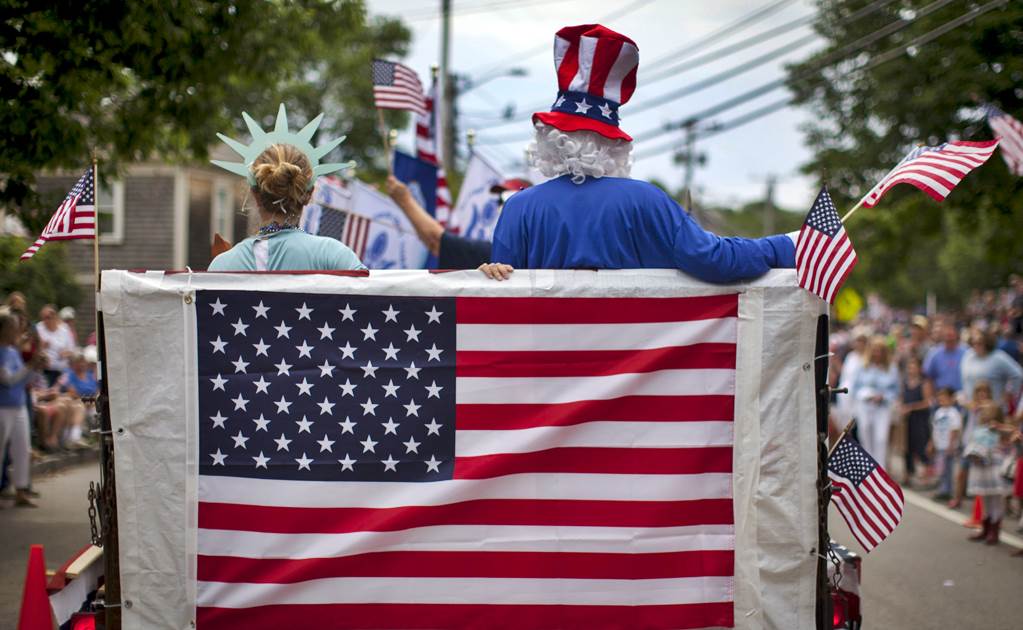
(134, 80)
(45, 279)
(868, 119)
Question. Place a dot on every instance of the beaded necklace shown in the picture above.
(273, 227)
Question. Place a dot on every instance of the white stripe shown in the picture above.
(836, 282)
(865, 529)
(816, 254)
(920, 165)
(394, 494)
(882, 521)
(564, 539)
(392, 590)
(560, 48)
(959, 148)
(935, 164)
(595, 435)
(826, 246)
(626, 61)
(895, 501)
(581, 80)
(563, 389)
(554, 337)
(261, 252)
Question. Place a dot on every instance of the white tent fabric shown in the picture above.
(149, 321)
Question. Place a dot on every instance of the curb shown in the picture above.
(50, 464)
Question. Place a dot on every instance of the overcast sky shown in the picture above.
(491, 34)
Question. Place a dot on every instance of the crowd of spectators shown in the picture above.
(940, 398)
(48, 384)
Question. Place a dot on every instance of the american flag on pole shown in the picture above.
(1010, 132)
(934, 170)
(824, 253)
(428, 150)
(370, 461)
(868, 499)
(396, 86)
(74, 219)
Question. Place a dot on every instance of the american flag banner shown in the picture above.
(824, 254)
(396, 86)
(867, 498)
(934, 170)
(74, 219)
(405, 449)
(1010, 132)
(428, 150)
(413, 409)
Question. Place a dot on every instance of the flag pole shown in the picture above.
(387, 143)
(841, 437)
(854, 209)
(95, 229)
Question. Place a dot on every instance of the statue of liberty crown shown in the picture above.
(261, 140)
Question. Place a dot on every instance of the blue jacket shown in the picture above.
(615, 223)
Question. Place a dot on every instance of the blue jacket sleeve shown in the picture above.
(713, 258)
(509, 243)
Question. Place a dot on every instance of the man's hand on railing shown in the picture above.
(496, 271)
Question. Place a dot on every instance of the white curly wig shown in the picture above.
(580, 154)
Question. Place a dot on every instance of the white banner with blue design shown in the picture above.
(475, 214)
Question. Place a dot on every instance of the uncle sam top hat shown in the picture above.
(596, 75)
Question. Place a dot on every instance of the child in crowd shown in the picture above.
(981, 398)
(946, 429)
(988, 449)
(916, 411)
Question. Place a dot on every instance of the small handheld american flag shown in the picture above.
(396, 86)
(1010, 132)
(934, 170)
(868, 499)
(74, 219)
(824, 253)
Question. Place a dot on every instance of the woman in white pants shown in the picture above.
(874, 392)
(13, 414)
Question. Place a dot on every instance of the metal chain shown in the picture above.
(94, 493)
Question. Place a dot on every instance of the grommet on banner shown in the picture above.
(189, 295)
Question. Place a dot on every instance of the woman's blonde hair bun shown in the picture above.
(282, 174)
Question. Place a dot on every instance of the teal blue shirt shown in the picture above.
(290, 250)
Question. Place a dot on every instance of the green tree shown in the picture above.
(867, 119)
(46, 278)
(133, 80)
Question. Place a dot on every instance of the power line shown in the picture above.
(770, 86)
(723, 32)
(889, 55)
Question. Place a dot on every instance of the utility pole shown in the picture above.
(690, 158)
(447, 114)
(769, 205)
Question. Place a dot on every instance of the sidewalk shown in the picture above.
(53, 462)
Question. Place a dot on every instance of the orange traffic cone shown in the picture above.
(978, 514)
(35, 603)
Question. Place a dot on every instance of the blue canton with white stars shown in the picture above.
(823, 216)
(326, 387)
(852, 462)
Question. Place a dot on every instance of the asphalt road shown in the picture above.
(60, 524)
(925, 576)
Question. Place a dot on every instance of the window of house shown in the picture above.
(110, 212)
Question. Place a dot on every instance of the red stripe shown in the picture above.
(850, 520)
(540, 512)
(831, 283)
(576, 460)
(831, 250)
(946, 177)
(477, 310)
(594, 362)
(569, 65)
(468, 616)
(604, 56)
(868, 513)
(629, 84)
(878, 505)
(470, 564)
(884, 488)
(933, 194)
(623, 409)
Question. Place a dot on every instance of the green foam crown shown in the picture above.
(261, 140)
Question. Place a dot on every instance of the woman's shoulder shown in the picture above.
(331, 253)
